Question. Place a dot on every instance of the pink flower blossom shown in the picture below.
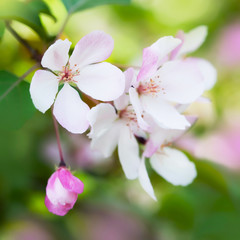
(162, 84)
(101, 81)
(62, 191)
(123, 126)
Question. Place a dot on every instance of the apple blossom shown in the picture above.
(101, 81)
(62, 191)
(109, 129)
(173, 165)
(162, 84)
(117, 125)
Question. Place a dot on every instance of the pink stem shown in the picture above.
(62, 163)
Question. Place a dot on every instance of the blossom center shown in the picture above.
(152, 86)
(128, 114)
(67, 74)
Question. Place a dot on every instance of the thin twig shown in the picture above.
(62, 163)
(62, 27)
(18, 81)
(34, 53)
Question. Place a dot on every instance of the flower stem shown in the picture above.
(62, 163)
(34, 53)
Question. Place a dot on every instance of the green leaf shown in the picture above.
(218, 226)
(26, 12)
(2, 29)
(16, 108)
(78, 5)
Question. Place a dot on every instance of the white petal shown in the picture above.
(101, 81)
(107, 141)
(174, 166)
(128, 153)
(92, 48)
(163, 46)
(193, 40)
(70, 111)
(130, 78)
(135, 101)
(100, 117)
(182, 81)
(162, 136)
(164, 114)
(208, 72)
(43, 89)
(145, 181)
(56, 55)
(122, 102)
(155, 55)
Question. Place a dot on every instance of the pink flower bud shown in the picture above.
(62, 191)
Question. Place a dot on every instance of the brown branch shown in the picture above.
(33, 52)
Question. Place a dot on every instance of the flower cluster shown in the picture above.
(145, 108)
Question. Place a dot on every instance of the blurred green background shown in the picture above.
(111, 207)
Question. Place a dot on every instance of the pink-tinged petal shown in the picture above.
(155, 55)
(123, 101)
(100, 118)
(69, 182)
(159, 137)
(101, 81)
(57, 209)
(43, 89)
(92, 48)
(174, 166)
(181, 81)
(180, 35)
(56, 56)
(149, 65)
(193, 40)
(70, 111)
(163, 46)
(107, 141)
(165, 115)
(208, 71)
(57, 194)
(135, 101)
(145, 181)
(129, 78)
(150, 148)
(128, 153)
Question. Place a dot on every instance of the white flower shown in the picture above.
(173, 165)
(101, 81)
(162, 84)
